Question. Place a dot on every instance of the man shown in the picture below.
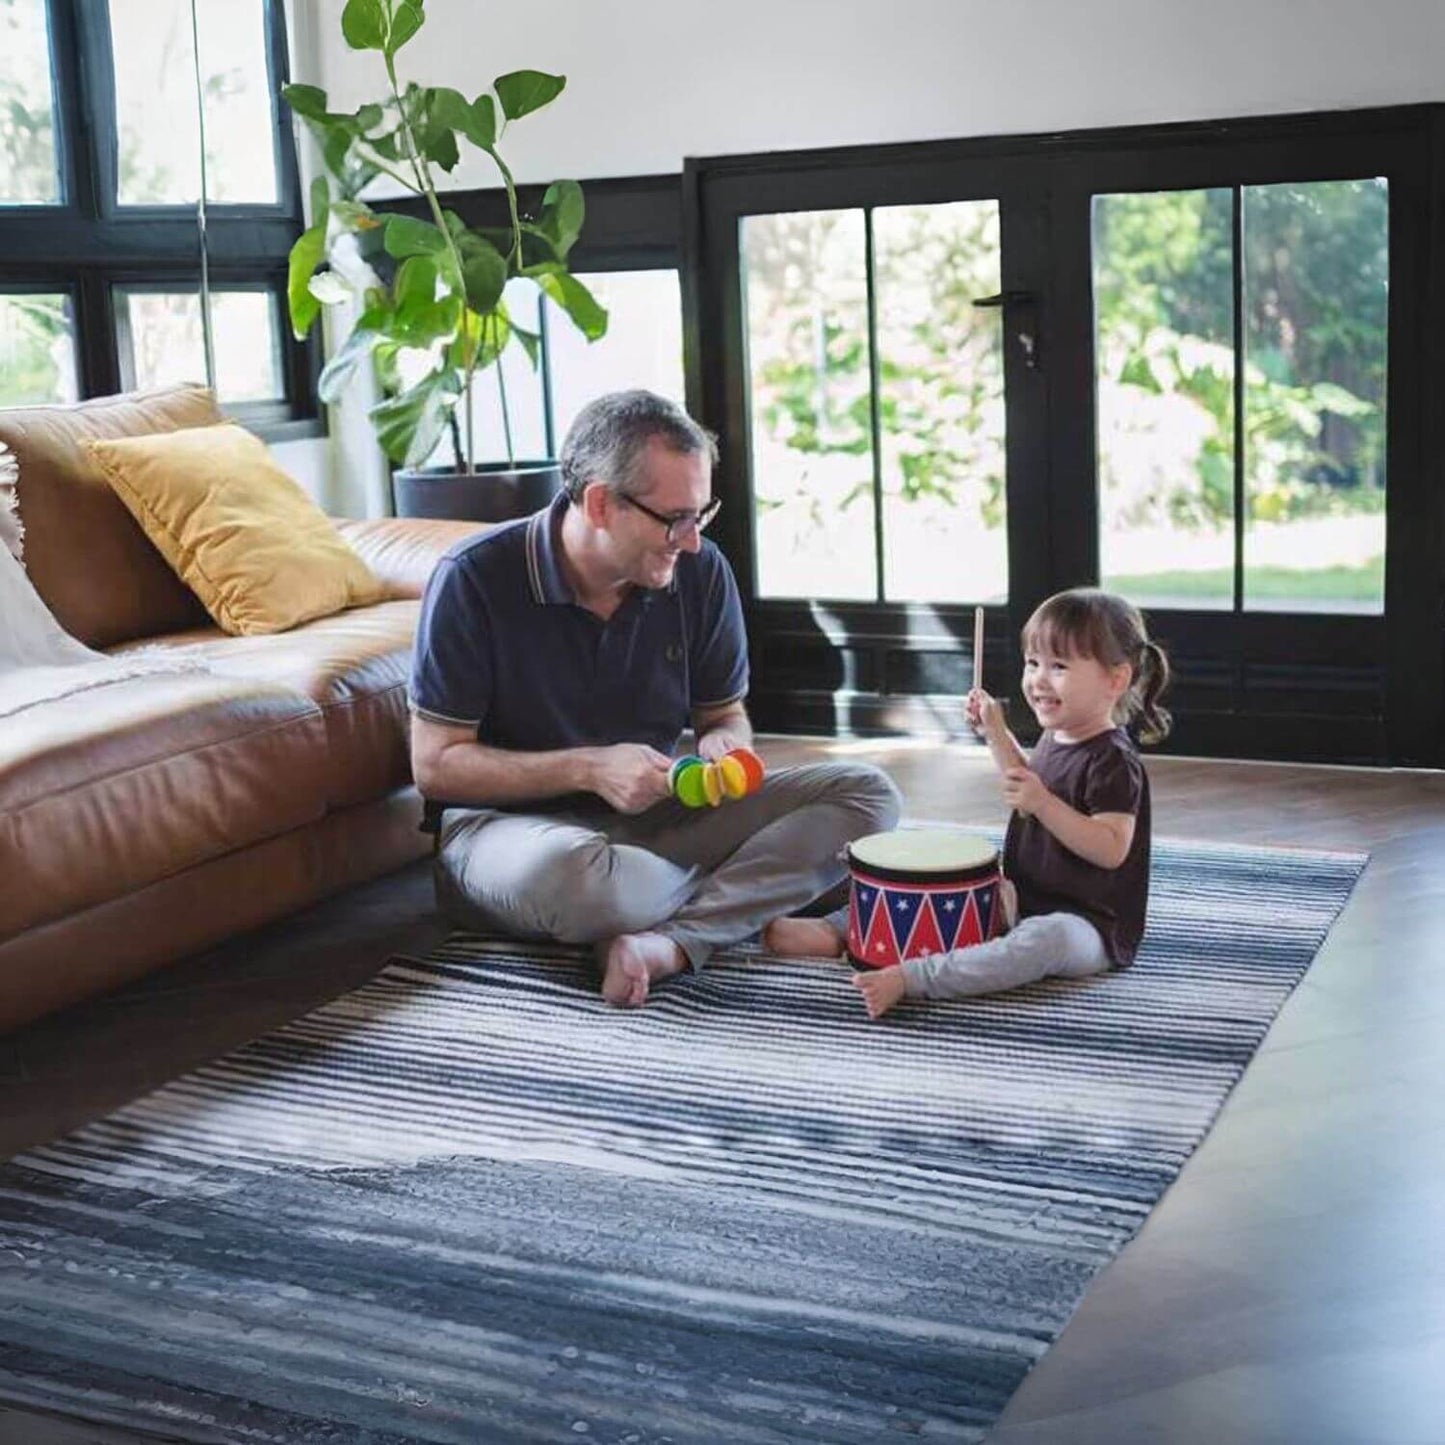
(558, 660)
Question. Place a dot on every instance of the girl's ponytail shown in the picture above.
(1153, 678)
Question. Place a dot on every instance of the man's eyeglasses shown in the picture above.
(679, 524)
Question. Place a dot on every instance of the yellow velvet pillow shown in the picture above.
(240, 533)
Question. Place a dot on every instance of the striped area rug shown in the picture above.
(470, 1203)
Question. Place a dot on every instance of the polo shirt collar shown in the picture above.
(544, 553)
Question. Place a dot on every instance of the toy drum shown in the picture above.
(919, 890)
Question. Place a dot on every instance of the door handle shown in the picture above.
(1027, 335)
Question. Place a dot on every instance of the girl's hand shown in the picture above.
(984, 714)
(880, 989)
(1023, 790)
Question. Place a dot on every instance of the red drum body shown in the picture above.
(917, 891)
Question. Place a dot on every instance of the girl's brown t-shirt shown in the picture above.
(1101, 775)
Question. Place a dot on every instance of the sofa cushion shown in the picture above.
(107, 791)
(85, 554)
(235, 528)
(354, 667)
(403, 551)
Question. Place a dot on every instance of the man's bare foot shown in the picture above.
(633, 961)
(881, 989)
(803, 938)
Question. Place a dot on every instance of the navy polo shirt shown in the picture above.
(504, 647)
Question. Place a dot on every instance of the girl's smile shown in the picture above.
(1071, 695)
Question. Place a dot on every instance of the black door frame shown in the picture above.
(1337, 687)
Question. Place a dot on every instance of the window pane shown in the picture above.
(1316, 272)
(642, 347)
(155, 100)
(37, 349)
(1164, 353)
(28, 172)
(161, 341)
(940, 402)
(810, 423)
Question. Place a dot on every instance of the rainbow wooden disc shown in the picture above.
(752, 765)
(687, 782)
(733, 776)
(675, 771)
(712, 784)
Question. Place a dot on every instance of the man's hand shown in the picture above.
(629, 776)
(1023, 790)
(984, 714)
(718, 742)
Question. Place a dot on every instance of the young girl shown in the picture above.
(1077, 849)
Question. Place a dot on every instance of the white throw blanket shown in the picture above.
(39, 660)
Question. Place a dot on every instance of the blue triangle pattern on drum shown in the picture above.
(984, 900)
(948, 909)
(860, 917)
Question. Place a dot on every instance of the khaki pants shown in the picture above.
(704, 877)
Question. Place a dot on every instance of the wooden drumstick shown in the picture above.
(977, 648)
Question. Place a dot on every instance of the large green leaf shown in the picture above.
(330, 288)
(563, 210)
(440, 147)
(484, 119)
(305, 257)
(407, 236)
(484, 271)
(385, 365)
(578, 302)
(356, 216)
(416, 282)
(531, 343)
(338, 371)
(410, 425)
(523, 91)
(451, 108)
(335, 147)
(431, 321)
(367, 117)
(308, 101)
(406, 20)
(320, 200)
(481, 339)
(363, 23)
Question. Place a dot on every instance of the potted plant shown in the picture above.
(430, 291)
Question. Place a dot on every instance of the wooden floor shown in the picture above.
(1289, 1288)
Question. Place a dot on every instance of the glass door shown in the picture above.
(876, 402)
(1240, 344)
(1187, 364)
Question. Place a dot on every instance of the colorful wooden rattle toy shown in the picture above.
(697, 784)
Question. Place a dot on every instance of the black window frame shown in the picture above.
(1279, 688)
(87, 243)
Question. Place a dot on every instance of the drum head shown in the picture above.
(923, 850)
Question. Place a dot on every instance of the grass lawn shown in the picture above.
(1340, 589)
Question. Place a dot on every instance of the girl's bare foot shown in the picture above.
(881, 989)
(803, 938)
(633, 961)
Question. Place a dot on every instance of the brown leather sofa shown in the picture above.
(152, 817)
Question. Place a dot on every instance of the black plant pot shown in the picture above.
(495, 492)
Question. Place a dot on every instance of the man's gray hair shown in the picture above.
(608, 438)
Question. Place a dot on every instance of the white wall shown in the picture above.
(652, 81)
